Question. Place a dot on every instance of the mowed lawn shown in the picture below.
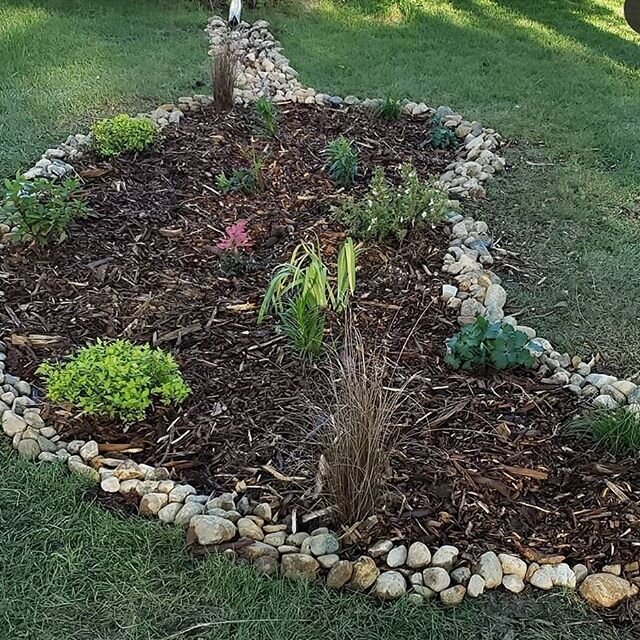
(65, 62)
(561, 80)
(70, 570)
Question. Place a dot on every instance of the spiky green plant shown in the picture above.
(389, 109)
(617, 430)
(343, 161)
(267, 117)
(302, 322)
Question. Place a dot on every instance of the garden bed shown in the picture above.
(478, 461)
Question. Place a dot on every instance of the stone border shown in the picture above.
(389, 571)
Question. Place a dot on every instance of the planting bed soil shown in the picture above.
(477, 460)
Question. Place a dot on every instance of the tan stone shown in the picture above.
(365, 573)
(604, 590)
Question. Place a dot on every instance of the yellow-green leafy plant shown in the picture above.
(123, 134)
(115, 379)
(306, 274)
(389, 210)
(41, 209)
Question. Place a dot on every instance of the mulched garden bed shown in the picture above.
(478, 461)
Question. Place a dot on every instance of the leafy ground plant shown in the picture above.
(115, 379)
(306, 274)
(485, 344)
(442, 138)
(123, 134)
(386, 210)
(233, 248)
(389, 109)
(41, 209)
(268, 117)
(343, 161)
(246, 180)
(616, 430)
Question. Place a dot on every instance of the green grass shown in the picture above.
(617, 430)
(559, 78)
(69, 570)
(65, 62)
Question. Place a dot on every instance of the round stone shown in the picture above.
(29, 449)
(397, 557)
(151, 503)
(321, 545)
(604, 590)
(436, 578)
(445, 557)
(511, 565)
(212, 529)
(475, 587)
(89, 450)
(169, 512)
(80, 469)
(339, 574)
(461, 575)
(418, 556)
(365, 573)
(326, 562)
(110, 484)
(299, 566)
(390, 585)
(276, 539)
(128, 470)
(249, 529)
(263, 510)
(513, 583)
(180, 492)
(266, 565)
(453, 596)
(187, 511)
(259, 549)
(490, 569)
(12, 423)
(380, 548)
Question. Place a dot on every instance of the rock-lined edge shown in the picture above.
(389, 571)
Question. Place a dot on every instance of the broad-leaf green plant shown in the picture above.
(489, 344)
(115, 379)
(123, 134)
(41, 209)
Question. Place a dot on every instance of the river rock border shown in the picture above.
(251, 530)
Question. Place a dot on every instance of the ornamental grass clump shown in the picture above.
(343, 161)
(362, 417)
(387, 210)
(123, 134)
(41, 209)
(617, 430)
(389, 109)
(489, 344)
(267, 114)
(115, 379)
(223, 77)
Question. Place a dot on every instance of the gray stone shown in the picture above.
(461, 575)
(436, 578)
(259, 549)
(494, 302)
(600, 380)
(277, 538)
(476, 585)
(187, 511)
(490, 569)
(89, 450)
(266, 565)
(263, 510)
(418, 556)
(23, 388)
(390, 585)
(339, 574)
(12, 423)
(82, 470)
(604, 402)
(33, 419)
(397, 557)
(212, 529)
(151, 503)
(74, 446)
(225, 501)
(297, 539)
(581, 572)
(445, 557)
(169, 512)
(46, 445)
(299, 566)
(180, 492)
(513, 583)
(323, 544)
(453, 596)
(28, 449)
(45, 456)
(380, 548)
(110, 484)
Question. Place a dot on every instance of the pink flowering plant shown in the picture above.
(232, 248)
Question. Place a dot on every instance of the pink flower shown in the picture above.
(235, 237)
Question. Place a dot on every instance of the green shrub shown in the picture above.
(41, 209)
(616, 430)
(246, 180)
(386, 210)
(302, 323)
(343, 161)
(443, 138)
(389, 109)
(489, 344)
(122, 134)
(268, 117)
(115, 379)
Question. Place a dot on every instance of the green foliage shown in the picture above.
(389, 109)
(343, 161)
(616, 430)
(115, 379)
(122, 134)
(246, 180)
(302, 322)
(386, 210)
(41, 209)
(268, 117)
(443, 138)
(306, 275)
(489, 344)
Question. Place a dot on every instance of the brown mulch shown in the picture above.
(479, 461)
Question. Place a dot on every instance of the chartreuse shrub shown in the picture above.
(122, 134)
(343, 161)
(617, 430)
(488, 343)
(389, 210)
(115, 379)
(301, 291)
(41, 209)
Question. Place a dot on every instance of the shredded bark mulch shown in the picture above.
(478, 461)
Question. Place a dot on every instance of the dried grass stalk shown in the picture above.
(360, 429)
(224, 75)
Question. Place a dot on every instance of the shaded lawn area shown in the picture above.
(65, 62)
(561, 79)
(69, 570)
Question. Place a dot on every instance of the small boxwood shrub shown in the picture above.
(389, 210)
(122, 134)
(41, 209)
(489, 344)
(115, 379)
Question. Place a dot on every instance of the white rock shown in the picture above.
(12, 423)
(169, 512)
(89, 450)
(511, 565)
(397, 557)
(418, 556)
(604, 402)
(390, 585)
(445, 556)
(110, 484)
(151, 503)
(187, 511)
(475, 587)
(436, 578)
(513, 583)
(212, 529)
(180, 492)
(380, 548)
(490, 568)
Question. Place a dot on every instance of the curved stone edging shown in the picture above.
(388, 571)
